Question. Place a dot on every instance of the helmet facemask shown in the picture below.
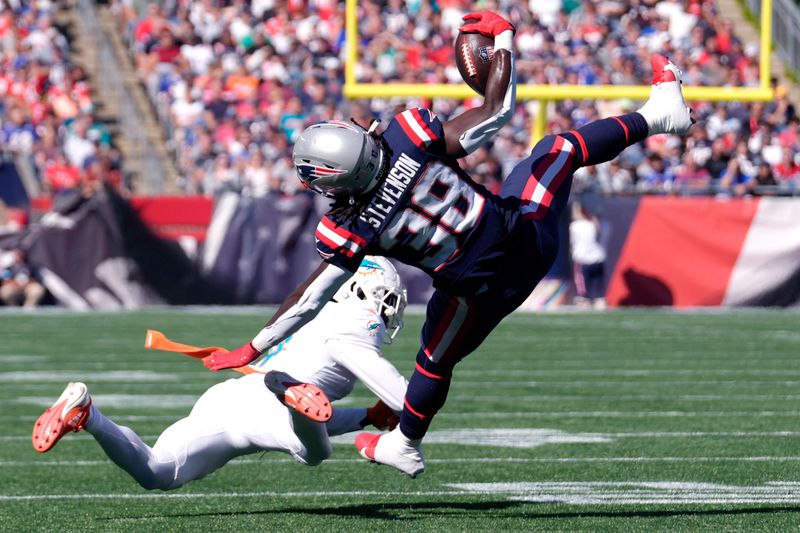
(377, 282)
(391, 304)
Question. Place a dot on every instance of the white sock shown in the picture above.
(413, 443)
(123, 446)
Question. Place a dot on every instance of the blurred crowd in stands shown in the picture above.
(235, 82)
(48, 115)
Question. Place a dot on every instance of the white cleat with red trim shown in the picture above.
(69, 413)
(393, 449)
(666, 111)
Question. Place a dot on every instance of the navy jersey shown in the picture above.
(426, 213)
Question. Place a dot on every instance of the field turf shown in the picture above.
(622, 421)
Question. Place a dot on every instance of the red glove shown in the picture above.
(380, 416)
(486, 23)
(238, 357)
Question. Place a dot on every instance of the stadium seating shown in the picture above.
(47, 109)
(235, 84)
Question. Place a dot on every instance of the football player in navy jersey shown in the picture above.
(401, 194)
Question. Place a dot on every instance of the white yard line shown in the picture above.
(117, 418)
(570, 492)
(465, 379)
(64, 376)
(22, 358)
(637, 492)
(616, 383)
(618, 414)
(464, 435)
(215, 495)
(464, 460)
(610, 372)
(465, 397)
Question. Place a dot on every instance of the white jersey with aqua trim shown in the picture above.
(341, 345)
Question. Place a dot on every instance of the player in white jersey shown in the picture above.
(241, 416)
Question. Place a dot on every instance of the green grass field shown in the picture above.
(622, 421)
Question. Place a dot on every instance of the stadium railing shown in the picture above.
(141, 155)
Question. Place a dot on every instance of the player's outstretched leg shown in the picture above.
(308, 400)
(69, 413)
(664, 112)
(393, 449)
(542, 181)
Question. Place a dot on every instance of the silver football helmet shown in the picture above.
(338, 159)
(377, 281)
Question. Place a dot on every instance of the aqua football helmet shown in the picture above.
(377, 281)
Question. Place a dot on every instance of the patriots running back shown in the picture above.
(404, 195)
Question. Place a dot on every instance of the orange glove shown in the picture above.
(486, 23)
(380, 416)
(238, 357)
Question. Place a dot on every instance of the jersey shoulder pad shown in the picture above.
(421, 126)
(357, 323)
(339, 240)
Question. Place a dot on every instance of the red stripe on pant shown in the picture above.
(461, 315)
(552, 189)
(582, 142)
(624, 128)
(441, 329)
(540, 170)
(414, 411)
(429, 374)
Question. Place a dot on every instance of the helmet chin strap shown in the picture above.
(373, 126)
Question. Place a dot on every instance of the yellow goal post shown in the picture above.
(547, 93)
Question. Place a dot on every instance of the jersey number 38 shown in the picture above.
(441, 212)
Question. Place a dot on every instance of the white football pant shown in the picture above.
(236, 417)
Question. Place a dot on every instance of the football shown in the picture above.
(474, 53)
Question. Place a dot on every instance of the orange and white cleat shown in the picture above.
(69, 413)
(392, 449)
(666, 111)
(308, 400)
